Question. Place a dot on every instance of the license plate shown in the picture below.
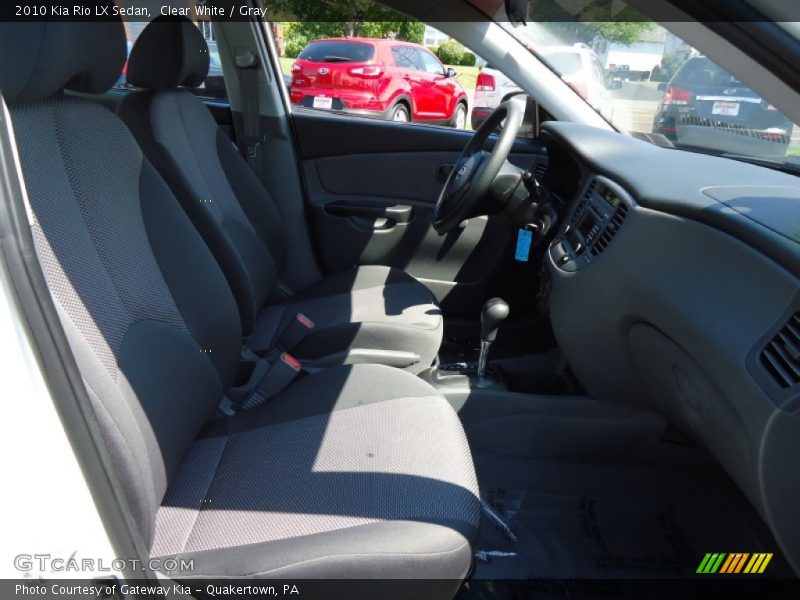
(727, 109)
(322, 102)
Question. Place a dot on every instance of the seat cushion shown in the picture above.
(369, 307)
(357, 471)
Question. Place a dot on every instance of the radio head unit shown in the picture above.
(595, 219)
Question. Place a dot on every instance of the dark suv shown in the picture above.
(707, 107)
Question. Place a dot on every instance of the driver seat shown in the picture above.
(376, 313)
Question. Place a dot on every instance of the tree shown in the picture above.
(625, 33)
(345, 18)
(451, 52)
(616, 22)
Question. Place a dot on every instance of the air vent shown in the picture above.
(591, 190)
(610, 231)
(781, 356)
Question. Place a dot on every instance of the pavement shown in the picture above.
(635, 105)
(470, 103)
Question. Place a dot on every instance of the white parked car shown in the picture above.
(580, 67)
(490, 89)
(577, 65)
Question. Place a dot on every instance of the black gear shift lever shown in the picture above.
(493, 314)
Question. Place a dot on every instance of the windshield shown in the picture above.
(643, 78)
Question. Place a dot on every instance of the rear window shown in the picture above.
(702, 71)
(564, 63)
(335, 51)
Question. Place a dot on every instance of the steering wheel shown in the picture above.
(476, 169)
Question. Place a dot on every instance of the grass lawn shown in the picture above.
(466, 75)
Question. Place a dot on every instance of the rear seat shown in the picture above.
(358, 471)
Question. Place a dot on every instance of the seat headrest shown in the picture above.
(169, 53)
(40, 58)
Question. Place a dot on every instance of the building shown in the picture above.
(642, 56)
(434, 37)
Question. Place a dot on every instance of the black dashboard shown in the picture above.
(675, 287)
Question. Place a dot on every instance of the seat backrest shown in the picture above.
(148, 313)
(228, 203)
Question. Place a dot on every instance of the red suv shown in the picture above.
(396, 80)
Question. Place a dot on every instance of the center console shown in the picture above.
(592, 224)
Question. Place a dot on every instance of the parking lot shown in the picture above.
(635, 105)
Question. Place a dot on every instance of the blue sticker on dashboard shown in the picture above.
(524, 239)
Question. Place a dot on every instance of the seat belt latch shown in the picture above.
(298, 329)
(280, 374)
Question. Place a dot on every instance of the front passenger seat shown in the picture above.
(366, 309)
(359, 471)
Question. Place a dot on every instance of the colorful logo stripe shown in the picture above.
(734, 563)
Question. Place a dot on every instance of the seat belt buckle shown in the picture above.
(280, 374)
(298, 329)
(251, 146)
(227, 408)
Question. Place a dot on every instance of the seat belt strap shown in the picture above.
(252, 139)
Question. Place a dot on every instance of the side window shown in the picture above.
(406, 57)
(214, 85)
(374, 69)
(431, 64)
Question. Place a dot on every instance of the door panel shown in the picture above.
(441, 88)
(372, 187)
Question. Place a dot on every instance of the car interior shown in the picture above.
(321, 346)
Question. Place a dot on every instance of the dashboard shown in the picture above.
(675, 287)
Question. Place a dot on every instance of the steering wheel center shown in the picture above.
(476, 169)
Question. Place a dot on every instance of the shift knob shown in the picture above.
(494, 312)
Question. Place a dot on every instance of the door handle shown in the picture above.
(396, 213)
(443, 172)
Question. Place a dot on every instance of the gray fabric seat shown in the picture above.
(365, 307)
(356, 471)
(310, 482)
(370, 308)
